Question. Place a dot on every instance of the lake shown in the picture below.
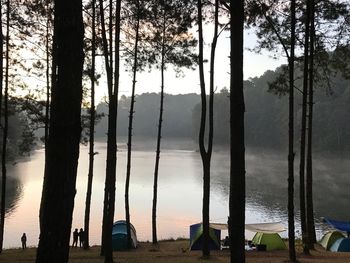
(179, 192)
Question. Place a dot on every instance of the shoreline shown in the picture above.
(176, 251)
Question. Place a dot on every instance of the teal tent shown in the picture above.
(329, 238)
(119, 240)
(341, 245)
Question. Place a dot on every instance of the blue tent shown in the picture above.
(196, 237)
(341, 245)
(119, 240)
(340, 225)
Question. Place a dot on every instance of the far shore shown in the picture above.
(176, 251)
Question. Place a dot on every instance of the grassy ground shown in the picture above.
(176, 251)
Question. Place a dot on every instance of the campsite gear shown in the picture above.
(341, 245)
(273, 241)
(339, 225)
(119, 236)
(271, 228)
(329, 238)
(261, 247)
(196, 237)
(268, 228)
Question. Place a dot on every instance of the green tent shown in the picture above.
(272, 241)
(329, 238)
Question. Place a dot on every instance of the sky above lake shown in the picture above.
(254, 66)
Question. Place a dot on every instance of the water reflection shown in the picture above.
(180, 190)
(266, 186)
(14, 191)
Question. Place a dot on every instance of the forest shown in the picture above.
(58, 55)
(266, 116)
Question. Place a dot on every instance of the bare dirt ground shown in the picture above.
(176, 251)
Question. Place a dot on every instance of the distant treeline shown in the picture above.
(21, 139)
(266, 117)
(178, 110)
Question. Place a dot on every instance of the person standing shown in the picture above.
(24, 241)
(75, 238)
(81, 237)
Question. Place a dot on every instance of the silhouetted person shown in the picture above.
(75, 238)
(81, 237)
(24, 241)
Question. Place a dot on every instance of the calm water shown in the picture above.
(180, 190)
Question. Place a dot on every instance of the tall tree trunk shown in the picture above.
(309, 179)
(47, 103)
(54, 58)
(110, 181)
(201, 139)
(65, 129)
(237, 148)
(159, 136)
(1, 60)
(206, 154)
(303, 134)
(291, 224)
(106, 240)
(91, 131)
(131, 116)
(5, 130)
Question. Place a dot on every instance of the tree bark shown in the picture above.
(91, 132)
(309, 177)
(291, 224)
(237, 148)
(47, 103)
(131, 116)
(65, 129)
(159, 136)
(201, 139)
(110, 180)
(5, 130)
(303, 134)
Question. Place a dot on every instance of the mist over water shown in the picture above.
(180, 189)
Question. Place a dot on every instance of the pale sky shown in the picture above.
(254, 65)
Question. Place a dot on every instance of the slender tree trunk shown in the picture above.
(65, 129)
(3, 181)
(237, 161)
(309, 179)
(5, 130)
(291, 224)
(131, 116)
(47, 104)
(303, 135)
(110, 181)
(112, 147)
(201, 139)
(53, 83)
(212, 82)
(92, 132)
(1, 60)
(206, 154)
(159, 136)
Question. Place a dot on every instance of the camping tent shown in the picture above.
(119, 240)
(341, 245)
(340, 225)
(329, 238)
(196, 237)
(273, 241)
